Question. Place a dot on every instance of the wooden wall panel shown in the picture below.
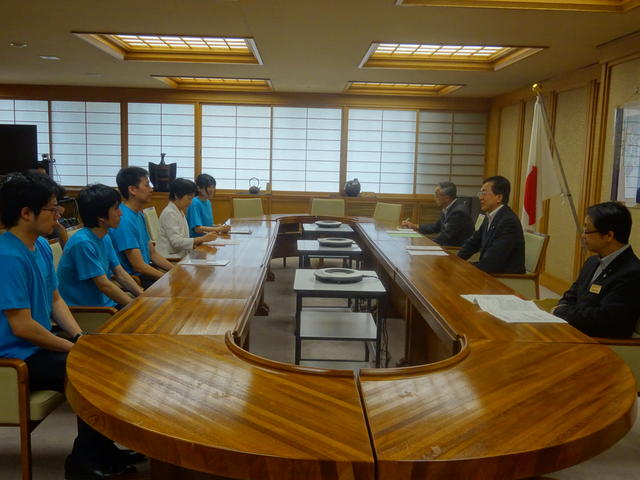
(508, 144)
(571, 135)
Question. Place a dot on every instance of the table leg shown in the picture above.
(379, 329)
(298, 340)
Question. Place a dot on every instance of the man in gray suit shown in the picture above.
(454, 225)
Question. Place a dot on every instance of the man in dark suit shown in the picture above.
(604, 300)
(499, 240)
(454, 225)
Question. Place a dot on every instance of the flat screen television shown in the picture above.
(18, 148)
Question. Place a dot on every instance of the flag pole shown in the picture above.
(555, 154)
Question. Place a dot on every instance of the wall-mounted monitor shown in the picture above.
(18, 148)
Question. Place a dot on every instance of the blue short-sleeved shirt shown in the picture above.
(28, 280)
(85, 257)
(131, 233)
(199, 214)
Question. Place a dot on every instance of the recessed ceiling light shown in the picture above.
(568, 5)
(394, 88)
(17, 44)
(217, 83)
(443, 57)
(49, 57)
(175, 48)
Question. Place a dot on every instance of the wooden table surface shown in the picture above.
(186, 399)
(518, 400)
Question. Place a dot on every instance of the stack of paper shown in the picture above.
(204, 261)
(403, 232)
(222, 241)
(433, 250)
(243, 230)
(512, 309)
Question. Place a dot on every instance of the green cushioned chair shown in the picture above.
(247, 207)
(153, 224)
(327, 207)
(21, 408)
(528, 284)
(387, 212)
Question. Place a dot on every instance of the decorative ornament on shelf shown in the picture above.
(162, 174)
(254, 189)
(352, 188)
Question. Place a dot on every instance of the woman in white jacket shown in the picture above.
(173, 231)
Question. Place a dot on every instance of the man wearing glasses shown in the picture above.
(454, 225)
(29, 299)
(499, 240)
(604, 300)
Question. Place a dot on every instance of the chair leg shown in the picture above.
(25, 451)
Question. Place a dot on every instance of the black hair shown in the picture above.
(611, 217)
(499, 186)
(95, 201)
(28, 189)
(181, 187)
(449, 189)
(204, 180)
(129, 177)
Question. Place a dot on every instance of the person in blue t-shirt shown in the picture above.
(199, 214)
(89, 260)
(29, 300)
(131, 240)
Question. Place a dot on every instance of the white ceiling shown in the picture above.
(306, 45)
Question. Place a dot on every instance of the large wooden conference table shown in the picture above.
(167, 376)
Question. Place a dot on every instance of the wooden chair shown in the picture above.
(153, 224)
(247, 207)
(527, 284)
(327, 207)
(91, 319)
(21, 408)
(387, 212)
(56, 249)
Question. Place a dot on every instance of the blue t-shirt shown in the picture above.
(28, 280)
(85, 257)
(199, 214)
(131, 233)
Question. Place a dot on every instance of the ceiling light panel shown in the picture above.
(574, 5)
(394, 88)
(217, 83)
(175, 48)
(443, 57)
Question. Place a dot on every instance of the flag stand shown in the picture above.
(555, 154)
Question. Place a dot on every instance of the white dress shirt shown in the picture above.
(173, 233)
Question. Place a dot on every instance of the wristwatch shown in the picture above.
(77, 336)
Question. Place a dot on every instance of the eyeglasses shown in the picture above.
(57, 209)
(588, 232)
(482, 194)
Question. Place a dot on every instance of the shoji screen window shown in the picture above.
(28, 112)
(381, 149)
(236, 144)
(85, 142)
(451, 146)
(306, 149)
(156, 128)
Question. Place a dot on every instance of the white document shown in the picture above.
(512, 309)
(424, 247)
(222, 241)
(401, 230)
(204, 261)
(239, 230)
(435, 253)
